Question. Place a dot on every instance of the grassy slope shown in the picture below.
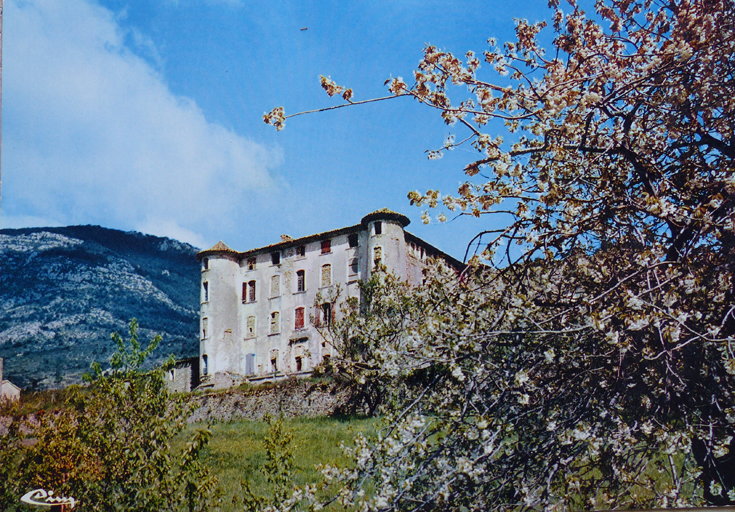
(236, 449)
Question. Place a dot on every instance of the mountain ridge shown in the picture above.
(64, 290)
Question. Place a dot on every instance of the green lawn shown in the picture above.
(236, 449)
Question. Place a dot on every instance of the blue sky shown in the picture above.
(146, 115)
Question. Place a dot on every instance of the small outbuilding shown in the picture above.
(8, 390)
(184, 376)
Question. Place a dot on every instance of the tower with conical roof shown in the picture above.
(219, 326)
(386, 240)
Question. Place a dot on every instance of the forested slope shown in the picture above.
(64, 290)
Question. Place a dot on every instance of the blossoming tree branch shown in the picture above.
(585, 359)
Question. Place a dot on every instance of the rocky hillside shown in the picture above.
(63, 291)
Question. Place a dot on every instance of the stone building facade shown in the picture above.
(184, 376)
(8, 390)
(261, 309)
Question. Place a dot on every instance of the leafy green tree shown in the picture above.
(10, 459)
(111, 446)
(586, 357)
(283, 494)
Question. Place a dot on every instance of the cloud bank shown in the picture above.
(92, 133)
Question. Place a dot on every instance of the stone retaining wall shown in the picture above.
(289, 399)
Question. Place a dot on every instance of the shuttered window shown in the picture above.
(326, 275)
(299, 318)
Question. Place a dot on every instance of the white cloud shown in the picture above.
(172, 230)
(27, 221)
(92, 134)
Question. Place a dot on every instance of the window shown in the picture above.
(354, 267)
(275, 322)
(250, 360)
(205, 326)
(251, 291)
(205, 365)
(378, 253)
(300, 280)
(326, 275)
(275, 286)
(299, 316)
(378, 228)
(276, 258)
(327, 314)
(251, 263)
(205, 264)
(244, 292)
(298, 364)
(206, 291)
(251, 326)
(326, 246)
(326, 352)
(274, 361)
(352, 240)
(301, 251)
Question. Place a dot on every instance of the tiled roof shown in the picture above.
(218, 248)
(385, 213)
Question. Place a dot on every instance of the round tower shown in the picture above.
(386, 241)
(219, 324)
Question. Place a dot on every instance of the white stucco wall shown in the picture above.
(228, 346)
(9, 391)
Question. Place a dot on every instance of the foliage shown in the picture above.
(364, 335)
(278, 470)
(284, 494)
(34, 401)
(591, 362)
(110, 447)
(484, 412)
(10, 459)
(236, 451)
